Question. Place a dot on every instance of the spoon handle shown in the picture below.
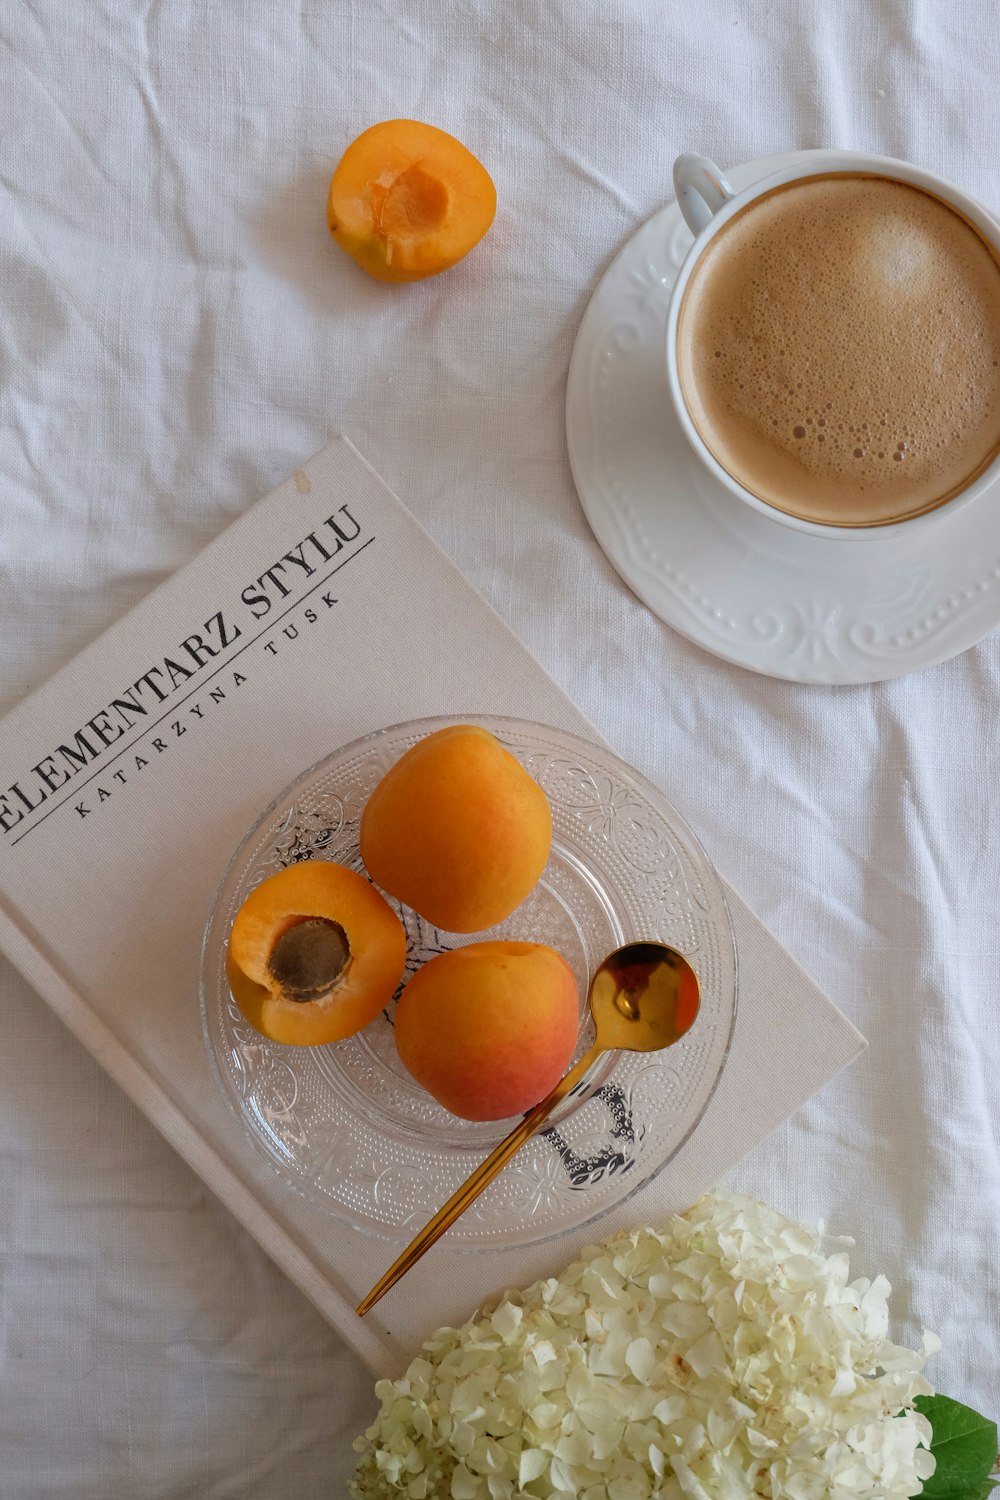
(478, 1180)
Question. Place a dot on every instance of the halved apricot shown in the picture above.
(408, 200)
(314, 954)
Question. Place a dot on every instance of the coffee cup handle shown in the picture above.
(701, 190)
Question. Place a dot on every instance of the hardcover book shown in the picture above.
(128, 779)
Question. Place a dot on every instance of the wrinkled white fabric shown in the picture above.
(177, 333)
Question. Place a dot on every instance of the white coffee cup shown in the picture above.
(708, 203)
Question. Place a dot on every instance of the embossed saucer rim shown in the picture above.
(712, 913)
(744, 587)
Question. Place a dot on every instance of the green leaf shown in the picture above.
(965, 1446)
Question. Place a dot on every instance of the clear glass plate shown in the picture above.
(347, 1126)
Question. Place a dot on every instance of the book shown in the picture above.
(126, 781)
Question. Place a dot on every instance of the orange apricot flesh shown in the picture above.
(408, 200)
(489, 1029)
(457, 829)
(315, 953)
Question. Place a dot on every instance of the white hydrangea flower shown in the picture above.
(726, 1358)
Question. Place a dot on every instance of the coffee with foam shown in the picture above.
(839, 349)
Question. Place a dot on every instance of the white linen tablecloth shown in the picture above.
(177, 333)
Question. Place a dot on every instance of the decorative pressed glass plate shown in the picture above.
(347, 1126)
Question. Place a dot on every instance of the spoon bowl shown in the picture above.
(643, 997)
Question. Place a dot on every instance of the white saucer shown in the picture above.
(755, 592)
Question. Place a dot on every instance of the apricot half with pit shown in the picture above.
(315, 953)
(457, 830)
(489, 1029)
(408, 200)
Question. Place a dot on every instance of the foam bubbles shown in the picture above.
(902, 255)
(851, 329)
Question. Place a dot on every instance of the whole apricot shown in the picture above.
(489, 1029)
(315, 953)
(457, 830)
(408, 200)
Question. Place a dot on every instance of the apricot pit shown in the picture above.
(315, 953)
(309, 958)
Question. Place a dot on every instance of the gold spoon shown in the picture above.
(644, 997)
